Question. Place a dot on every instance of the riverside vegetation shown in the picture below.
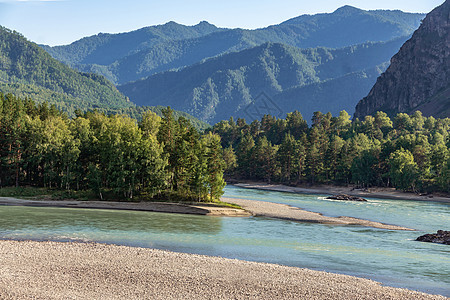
(111, 156)
(410, 153)
(163, 158)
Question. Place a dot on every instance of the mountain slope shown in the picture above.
(130, 56)
(27, 70)
(332, 95)
(349, 26)
(104, 48)
(224, 86)
(419, 75)
(170, 55)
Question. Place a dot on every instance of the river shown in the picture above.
(391, 257)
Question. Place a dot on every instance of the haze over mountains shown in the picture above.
(133, 55)
(323, 62)
(304, 79)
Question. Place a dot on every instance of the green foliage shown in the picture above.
(215, 166)
(29, 192)
(403, 169)
(412, 153)
(230, 160)
(27, 70)
(108, 156)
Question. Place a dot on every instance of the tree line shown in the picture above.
(109, 155)
(163, 157)
(410, 153)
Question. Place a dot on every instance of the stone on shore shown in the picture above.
(441, 237)
(344, 197)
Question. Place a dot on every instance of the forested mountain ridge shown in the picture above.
(419, 75)
(344, 27)
(27, 70)
(224, 86)
(130, 56)
(105, 48)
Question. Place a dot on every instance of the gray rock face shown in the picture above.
(441, 237)
(419, 75)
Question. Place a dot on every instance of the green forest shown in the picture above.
(116, 156)
(112, 156)
(410, 153)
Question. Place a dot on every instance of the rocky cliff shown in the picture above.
(419, 75)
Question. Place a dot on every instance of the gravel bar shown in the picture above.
(52, 270)
(164, 207)
(286, 212)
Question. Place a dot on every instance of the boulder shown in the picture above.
(344, 197)
(441, 237)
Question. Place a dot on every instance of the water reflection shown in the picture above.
(14, 218)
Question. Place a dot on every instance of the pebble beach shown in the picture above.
(53, 270)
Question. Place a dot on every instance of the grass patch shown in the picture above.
(35, 193)
(226, 204)
(23, 192)
(184, 198)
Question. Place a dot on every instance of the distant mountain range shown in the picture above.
(323, 62)
(133, 55)
(293, 78)
(419, 75)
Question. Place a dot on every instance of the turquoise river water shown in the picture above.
(391, 257)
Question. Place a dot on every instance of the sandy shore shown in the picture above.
(382, 193)
(208, 210)
(50, 270)
(286, 212)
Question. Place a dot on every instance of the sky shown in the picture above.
(60, 22)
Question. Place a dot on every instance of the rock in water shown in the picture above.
(441, 237)
(346, 198)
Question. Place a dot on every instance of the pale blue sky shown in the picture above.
(57, 22)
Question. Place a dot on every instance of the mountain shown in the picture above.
(27, 70)
(105, 48)
(288, 77)
(348, 26)
(134, 55)
(419, 75)
(332, 95)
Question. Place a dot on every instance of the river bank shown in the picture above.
(382, 193)
(51, 270)
(286, 212)
(195, 209)
(250, 208)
